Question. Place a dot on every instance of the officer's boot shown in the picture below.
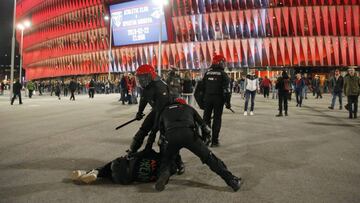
(216, 165)
(180, 165)
(215, 138)
(162, 180)
(137, 141)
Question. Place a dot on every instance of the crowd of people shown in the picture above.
(180, 125)
(283, 86)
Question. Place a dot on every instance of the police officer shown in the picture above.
(216, 88)
(156, 93)
(177, 123)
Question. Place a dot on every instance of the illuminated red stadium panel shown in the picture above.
(70, 37)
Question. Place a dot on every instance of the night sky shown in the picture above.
(6, 15)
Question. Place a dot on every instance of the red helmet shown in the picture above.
(146, 69)
(145, 74)
(180, 100)
(218, 58)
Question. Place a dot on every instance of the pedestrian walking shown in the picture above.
(306, 86)
(16, 92)
(337, 86)
(92, 86)
(283, 87)
(31, 87)
(352, 91)
(123, 88)
(58, 89)
(187, 88)
(251, 86)
(266, 85)
(317, 87)
(299, 85)
(273, 88)
(72, 88)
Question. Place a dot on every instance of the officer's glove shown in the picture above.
(227, 105)
(227, 98)
(129, 153)
(206, 134)
(139, 116)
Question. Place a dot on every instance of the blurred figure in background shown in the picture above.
(187, 88)
(299, 87)
(72, 87)
(174, 82)
(251, 86)
(266, 85)
(283, 87)
(31, 87)
(337, 85)
(352, 91)
(16, 92)
(317, 87)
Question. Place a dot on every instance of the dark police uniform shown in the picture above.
(216, 88)
(177, 123)
(157, 95)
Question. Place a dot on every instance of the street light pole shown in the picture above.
(161, 3)
(21, 54)
(160, 40)
(12, 53)
(110, 40)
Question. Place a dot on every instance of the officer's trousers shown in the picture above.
(179, 138)
(214, 103)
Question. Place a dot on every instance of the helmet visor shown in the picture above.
(143, 80)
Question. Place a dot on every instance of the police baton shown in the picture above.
(127, 123)
(231, 110)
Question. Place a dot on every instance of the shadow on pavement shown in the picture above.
(332, 124)
(58, 164)
(16, 191)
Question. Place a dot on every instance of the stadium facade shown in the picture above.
(71, 37)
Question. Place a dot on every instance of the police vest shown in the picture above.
(214, 82)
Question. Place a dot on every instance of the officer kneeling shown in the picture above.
(177, 126)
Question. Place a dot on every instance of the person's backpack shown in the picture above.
(287, 85)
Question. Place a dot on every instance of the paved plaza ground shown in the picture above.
(311, 156)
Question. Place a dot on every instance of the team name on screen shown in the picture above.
(137, 22)
(136, 10)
